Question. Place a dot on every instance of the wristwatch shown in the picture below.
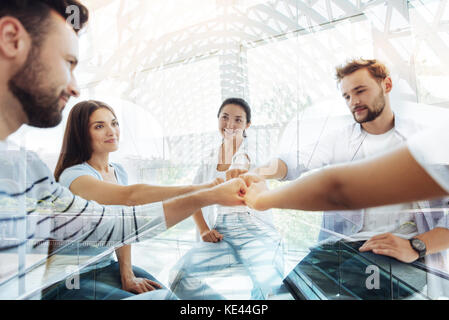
(419, 246)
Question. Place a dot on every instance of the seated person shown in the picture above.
(92, 133)
(238, 237)
(365, 85)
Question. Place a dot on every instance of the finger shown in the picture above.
(243, 186)
(386, 252)
(378, 245)
(142, 287)
(213, 237)
(138, 289)
(155, 284)
(217, 235)
(219, 180)
(148, 285)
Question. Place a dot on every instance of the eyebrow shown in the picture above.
(234, 116)
(102, 121)
(353, 89)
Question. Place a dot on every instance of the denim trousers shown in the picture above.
(104, 284)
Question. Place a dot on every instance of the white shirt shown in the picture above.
(342, 146)
(431, 150)
(208, 172)
(396, 219)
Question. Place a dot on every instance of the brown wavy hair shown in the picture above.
(77, 145)
(377, 69)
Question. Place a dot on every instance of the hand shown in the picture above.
(229, 193)
(234, 173)
(211, 236)
(251, 178)
(390, 245)
(253, 195)
(138, 285)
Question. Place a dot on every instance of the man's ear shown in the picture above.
(14, 39)
(388, 84)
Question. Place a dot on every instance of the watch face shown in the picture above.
(418, 244)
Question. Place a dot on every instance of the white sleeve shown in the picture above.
(308, 157)
(431, 150)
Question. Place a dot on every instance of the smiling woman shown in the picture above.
(92, 133)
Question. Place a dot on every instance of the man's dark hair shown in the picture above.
(34, 14)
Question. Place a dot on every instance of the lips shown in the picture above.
(111, 141)
(64, 99)
(359, 109)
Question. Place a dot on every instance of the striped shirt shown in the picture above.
(34, 209)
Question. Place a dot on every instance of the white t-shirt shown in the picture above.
(208, 172)
(431, 149)
(397, 219)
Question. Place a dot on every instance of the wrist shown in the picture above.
(205, 197)
(204, 230)
(419, 247)
(126, 273)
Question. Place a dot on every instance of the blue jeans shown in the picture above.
(339, 271)
(104, 284)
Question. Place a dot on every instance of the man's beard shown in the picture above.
(40, 105)
(378, 108)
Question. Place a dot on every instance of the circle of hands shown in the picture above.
(246, 188)
(241, 188)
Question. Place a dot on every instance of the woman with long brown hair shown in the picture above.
(92, 133)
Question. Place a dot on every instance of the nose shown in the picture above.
(354, 101)
(232, 124)
(110, 131)
(73, 88)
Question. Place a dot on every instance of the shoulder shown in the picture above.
(76, 171)
(409, 126)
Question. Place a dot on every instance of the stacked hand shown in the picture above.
(251, 186)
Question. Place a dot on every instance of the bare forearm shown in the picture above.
(199, 221)
(378, 181)
(275, 169)
(316, 192)
(178, 209)
(436, 240)
(142, 194)
(124, 260)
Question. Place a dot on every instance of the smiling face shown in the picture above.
(232, 121)
(45, 82)
(104, 131)
(364, 95)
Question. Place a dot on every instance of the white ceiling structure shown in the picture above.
(176, 60)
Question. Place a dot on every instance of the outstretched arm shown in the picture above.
(107, 193)
(393, 178)
(229, 193)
